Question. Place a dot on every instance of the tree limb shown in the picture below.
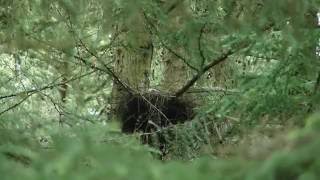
(195, 78)
(317, 84)
(17, 104)
(203, 58)
(212, 89)
(45, 87)
(183, 59)
(109, 71)
(106, 69)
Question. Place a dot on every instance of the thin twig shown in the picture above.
(153, 106)
(17, 104)
(55, 105)
(212, 89)
(218, 132)
(317, 84)
(174, 6)
(183, 59)
(50, 86)
(109, 71)
(203, 58)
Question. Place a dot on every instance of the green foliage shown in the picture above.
(56, 83)
(97, 153)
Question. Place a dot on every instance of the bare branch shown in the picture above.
(109, 71)
(195, 78)
(183, 59)
(203, 58)
(317, 84)
(17, 104)
(174, 6)
(212, 89)
(50, 86)
(106, 69)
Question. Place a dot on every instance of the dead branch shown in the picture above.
(195, 78)
(17, 104)
(317, 84)
(50, 86)
(203, 58)
(166, 46)
(184, 60)
(106, 69)
(212, 89)
(109, 71)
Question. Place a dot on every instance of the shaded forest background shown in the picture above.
(159, 89)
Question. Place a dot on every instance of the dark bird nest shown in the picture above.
(151, 112)
(153, 115)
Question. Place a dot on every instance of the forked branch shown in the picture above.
(195, 78)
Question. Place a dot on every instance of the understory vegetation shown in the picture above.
(159, 89)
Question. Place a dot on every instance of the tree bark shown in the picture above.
(132, 61)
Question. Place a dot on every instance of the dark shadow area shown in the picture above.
(152, 115)
(151, 112)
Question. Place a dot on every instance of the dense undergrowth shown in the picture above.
(94, 153)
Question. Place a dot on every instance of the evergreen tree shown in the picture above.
(190, 78)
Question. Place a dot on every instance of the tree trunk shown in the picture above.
(132, 63)
(175, 73)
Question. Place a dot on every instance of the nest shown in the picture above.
(153, 115)
(151, 112)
